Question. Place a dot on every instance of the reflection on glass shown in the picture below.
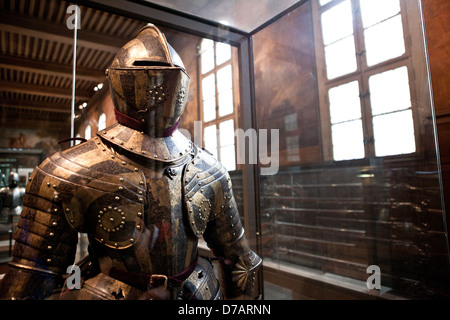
(384, 41)
(347, 140)
(389, 91)
(210, 138)
(394, 133)
(223, 52)
(337, 23)
(340, 58)
(225, 102)
(374, 11)
(344, 102)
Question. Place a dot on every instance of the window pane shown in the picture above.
(345, 103)
(210, 138)
(337, 23)
(374, 11)
(226, 133)
(389, 91)
(87, 132)
(347, 140)
(208, 87)
(394, 133)
(340, 58)
(207, 58)
(223, 52)
(209, 109)
(224, 79)
(384, 41)
(102, 122)
(207, 44)
(228, 157)
(225, 102)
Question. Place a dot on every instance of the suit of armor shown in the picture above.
(11, 197)
(142, 192)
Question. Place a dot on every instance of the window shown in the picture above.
(364, 71)
(101, 122)
(87, 132)
(217, 101)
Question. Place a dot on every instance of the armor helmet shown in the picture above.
(13, 179)
(148, 83)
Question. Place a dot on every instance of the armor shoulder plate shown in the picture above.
(99, 192)
(205, 184)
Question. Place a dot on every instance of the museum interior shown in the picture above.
(340, 188)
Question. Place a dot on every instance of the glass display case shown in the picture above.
(321, 110)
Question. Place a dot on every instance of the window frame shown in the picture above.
(363, 73)
(235, 92)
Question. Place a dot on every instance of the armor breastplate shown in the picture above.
(134, 215)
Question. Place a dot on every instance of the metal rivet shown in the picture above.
(124, 163)
(49, 248)
(113, 157)
(54, 223)
(121, 179)
(131, 148)
(136, 169)
(139, 214)
(51, 234)
(112, 138)
(143, 152)
(49, 260)
(117, 198)
(48, 184)
(120, 188)
(131, 240)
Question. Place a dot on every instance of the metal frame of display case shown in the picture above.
(197, 26)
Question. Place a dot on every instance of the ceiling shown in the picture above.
(36, 52)
(244, 15)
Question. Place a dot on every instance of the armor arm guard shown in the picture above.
(226, 238)
(213, 213)
(45, 244)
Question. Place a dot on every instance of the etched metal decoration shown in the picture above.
(141, 191)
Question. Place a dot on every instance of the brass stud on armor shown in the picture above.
(143, 152)
(124, 163)
(131, 148)
(121, 179)
(48, 184)
(54, 223)
(113, 157)
(131, 240)
(120, 188)
(49, 248)
(136, 169)
(49, 260)
(51, 234)
(117, 198)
